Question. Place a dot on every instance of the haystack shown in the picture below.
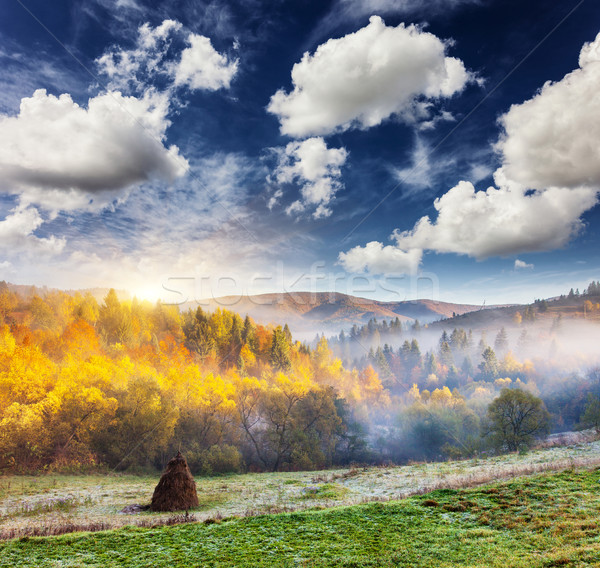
(176, 490)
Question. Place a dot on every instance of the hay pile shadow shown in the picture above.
(176, 490)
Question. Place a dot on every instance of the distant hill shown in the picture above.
(546, 311)
(27, 291)
(327, 312)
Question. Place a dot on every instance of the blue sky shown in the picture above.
(226, 147)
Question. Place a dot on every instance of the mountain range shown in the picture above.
(329, 312)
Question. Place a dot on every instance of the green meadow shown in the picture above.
(541, 520)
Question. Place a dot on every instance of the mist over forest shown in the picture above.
(124, 384)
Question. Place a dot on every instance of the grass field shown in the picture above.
(538, 521)
(47, 503)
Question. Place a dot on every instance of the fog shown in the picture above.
(439, 396)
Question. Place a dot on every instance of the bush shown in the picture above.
(216, 459)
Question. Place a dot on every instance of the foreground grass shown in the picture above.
(538, 521)
(60, 503)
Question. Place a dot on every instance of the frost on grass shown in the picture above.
(28, 503)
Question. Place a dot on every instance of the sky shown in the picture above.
(390, 149)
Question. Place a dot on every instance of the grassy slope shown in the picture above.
(539, 521)
(28, 502)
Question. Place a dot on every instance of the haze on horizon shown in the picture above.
(245, 147)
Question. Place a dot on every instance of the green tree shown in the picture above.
(197, 332)
(489, 365)
(280, 351)
(446, 356)
(515, 418)
(591, 414)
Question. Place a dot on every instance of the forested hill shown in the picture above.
(329, 311)
(572, 305)
(126, 383)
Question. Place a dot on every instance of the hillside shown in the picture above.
(29, 505)
(546, 311)
(529, 522)
(330, 311)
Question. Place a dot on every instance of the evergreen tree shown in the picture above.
(280, 351)
(430, 364)
(444, 338)
(446, 354)
(489, 366)
(197, 332)
(382, 364)
(288, 333)
(501, 342)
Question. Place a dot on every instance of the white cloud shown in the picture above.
(61, 155)
(377, 258)
(124, 67)
(316, 167)
(202, 67)
(554, 138)
(423, 171)
(363, 78)
(499, 221)
(274, 199)
(550, 176)
(17, 234)
(522, 265)
(199, 66)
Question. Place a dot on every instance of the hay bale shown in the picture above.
(176, 490)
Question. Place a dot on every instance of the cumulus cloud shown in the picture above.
(550, 176)
(198, 66)
(316, 168)
(522, 265)
(380, 259)
(62, 155)
(554, 138)
(17, 234)
(363, 78)
(202, 67)
(499, 221)
(125, 67)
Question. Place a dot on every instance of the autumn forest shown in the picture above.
(124, 384)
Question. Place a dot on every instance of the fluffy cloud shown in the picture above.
(554, 138)
(199, 66)
(202, 67)
(380, 259)
(550, 176)
(124, 67)
(17, 234)
(499, 221)
(61, 155)
(365, 77)
(316, 167)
